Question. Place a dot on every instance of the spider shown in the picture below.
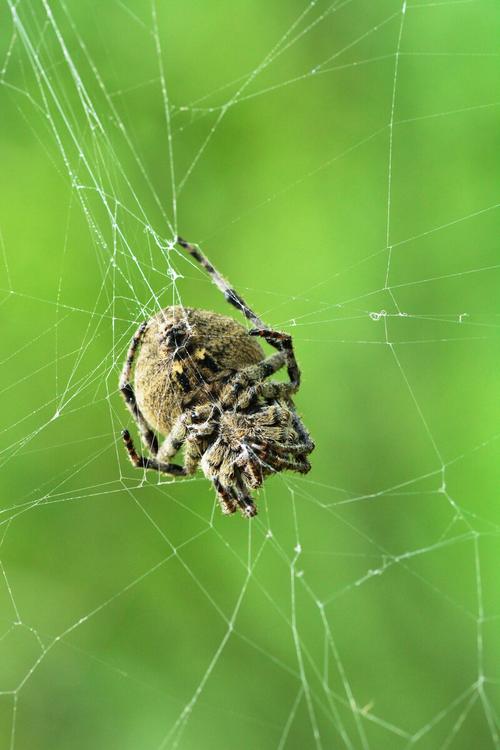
(200, 379)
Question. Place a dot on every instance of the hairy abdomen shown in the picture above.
(185, 357)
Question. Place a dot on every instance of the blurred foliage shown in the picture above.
(339, 163)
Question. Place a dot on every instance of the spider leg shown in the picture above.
(253, 470)
(239, 489)
(245, 503)
(142, 462)
(279, 463)
(255, 373)
(268, 391)
(235, 496)
(284, 449)
(174, 440)
(193, 454)
(127, 390)
(226, 499)
(282, 342)
(230, 294)
(275, 390)
(279, 340)
(243, 380)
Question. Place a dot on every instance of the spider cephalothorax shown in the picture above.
(200, 379)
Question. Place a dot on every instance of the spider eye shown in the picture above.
(198, 417)
(175, 335)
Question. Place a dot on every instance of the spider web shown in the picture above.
(336, 161)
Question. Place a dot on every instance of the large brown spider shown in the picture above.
(200, 379)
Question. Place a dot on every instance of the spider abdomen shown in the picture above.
(186, 354)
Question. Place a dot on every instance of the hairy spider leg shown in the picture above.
(142, 462)
(280, 341)
(127, 390)
(226, 499)
(245, 502)
(173, 441)
(244, 384)
(230, 294)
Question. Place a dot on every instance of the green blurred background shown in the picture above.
(339, 163)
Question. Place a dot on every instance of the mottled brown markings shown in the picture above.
(200, 379)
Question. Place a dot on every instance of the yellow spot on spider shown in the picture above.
(177, 367)
(200, 353)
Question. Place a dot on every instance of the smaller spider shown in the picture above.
(201, 379)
